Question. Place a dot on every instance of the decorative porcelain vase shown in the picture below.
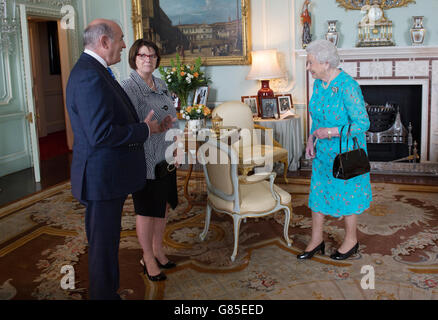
(193, 126)
(417, 31)
(332, 35)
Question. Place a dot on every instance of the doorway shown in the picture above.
(47, 87)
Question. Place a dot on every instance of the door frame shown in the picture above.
(70, 48)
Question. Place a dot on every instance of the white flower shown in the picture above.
(198, 111)
(170, 80)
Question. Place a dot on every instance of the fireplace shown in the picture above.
(407, 78)
(395, 121)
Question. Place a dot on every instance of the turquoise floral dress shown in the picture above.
(339, 105)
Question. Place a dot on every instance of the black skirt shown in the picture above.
(151, 200)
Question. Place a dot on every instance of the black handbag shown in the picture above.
(352, 163)
(163, 169)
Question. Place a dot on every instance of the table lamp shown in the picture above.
(264, 67)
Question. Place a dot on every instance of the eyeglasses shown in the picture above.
(150, 56)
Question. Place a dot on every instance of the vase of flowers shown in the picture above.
(181, 79)
(196, 117)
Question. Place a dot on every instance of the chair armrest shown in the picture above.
(257, 126)
(257, 177)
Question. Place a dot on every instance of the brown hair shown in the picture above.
(136, 47)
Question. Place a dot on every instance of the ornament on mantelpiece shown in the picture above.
(306, 21)
(417, 31)
(375, 30)
(332, 35)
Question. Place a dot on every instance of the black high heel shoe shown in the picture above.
(310, 254)
(342, 256)
(159, 277)
(168, 265)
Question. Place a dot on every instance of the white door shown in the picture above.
(29, 94)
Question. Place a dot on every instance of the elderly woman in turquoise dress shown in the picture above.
(336, 102)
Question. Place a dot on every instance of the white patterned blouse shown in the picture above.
(144, 100)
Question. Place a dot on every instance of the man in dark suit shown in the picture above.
(108, 157)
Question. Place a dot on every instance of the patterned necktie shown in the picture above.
(111, 73)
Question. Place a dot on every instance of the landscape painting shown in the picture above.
(215, 30)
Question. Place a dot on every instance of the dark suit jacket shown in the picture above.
(108, 158)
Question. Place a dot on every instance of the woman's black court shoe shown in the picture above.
(159, 277)
(310, 254)
(342, 256)
(168, 265)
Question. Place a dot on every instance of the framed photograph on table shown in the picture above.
(269, 108)
(252, 102)
(201, 95)
(285, 103)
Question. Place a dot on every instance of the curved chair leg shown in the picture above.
(236, 220)
(286, 167)
(287, 214)
(207, 223)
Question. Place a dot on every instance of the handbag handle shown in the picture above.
(355, 143)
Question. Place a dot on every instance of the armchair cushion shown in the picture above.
(249, 197)
(236, 113)
(252, 198)
(258, 153)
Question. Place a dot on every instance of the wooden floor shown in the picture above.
(57, 170)
(21, 184)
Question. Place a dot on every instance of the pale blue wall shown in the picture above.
(276, 24)
(118, 10)
(323, 10)
(273, 24)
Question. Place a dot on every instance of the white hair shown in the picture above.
(324, 51)
(93, 33)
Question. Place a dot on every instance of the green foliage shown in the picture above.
(183, 78)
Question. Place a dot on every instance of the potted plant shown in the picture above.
(196, 116)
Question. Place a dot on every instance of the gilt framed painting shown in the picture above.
(217, 31)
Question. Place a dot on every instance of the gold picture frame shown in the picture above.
(358, 4)
(229, 43)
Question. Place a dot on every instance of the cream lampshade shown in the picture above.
(264, 67)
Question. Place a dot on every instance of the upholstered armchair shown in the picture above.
(241, 196)
(251, 149)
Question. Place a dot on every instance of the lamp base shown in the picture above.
(265, 92)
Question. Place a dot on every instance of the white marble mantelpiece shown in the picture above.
(383, 52)
(416, 65)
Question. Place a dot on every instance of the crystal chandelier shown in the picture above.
(8, 26)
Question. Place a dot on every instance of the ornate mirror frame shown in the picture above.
(139, 22)
(384, 4)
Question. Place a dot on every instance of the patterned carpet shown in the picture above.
(398, 236)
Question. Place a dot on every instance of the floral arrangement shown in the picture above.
(197, 111)
(183, 78)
